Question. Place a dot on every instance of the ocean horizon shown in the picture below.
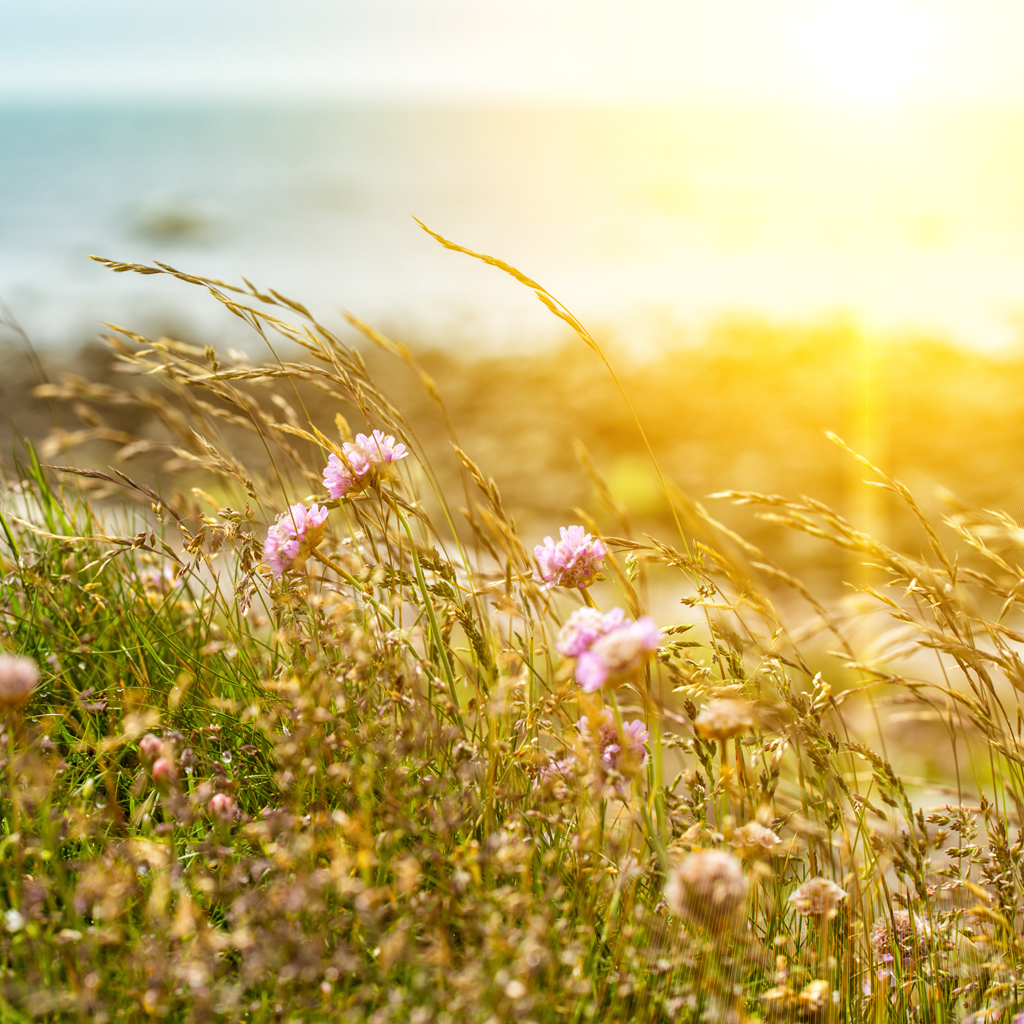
(650, 224)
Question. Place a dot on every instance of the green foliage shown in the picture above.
(377, 799)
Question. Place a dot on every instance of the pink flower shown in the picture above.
(553, 776)
(223, 808)
(151, 747)
(292, 538)
(164, 773)
(586, 625)
(608, 749)
(574, 561)
(380, 448)
(18, 678)
(617, 655)
(362, 460)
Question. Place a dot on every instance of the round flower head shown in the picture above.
(586, 625)
(818, 897)
(903, 934)
(151, 747)
(18, 678)
(223, 808)
(617, 655)
(709, 889)
(164, 772)
(574, 561)
(340, 477)
(554, 777)
(379, 448)
(362, 461)
(292, 538)
(723, 719)
(754, 840)
(624, 752)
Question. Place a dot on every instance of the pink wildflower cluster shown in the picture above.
(574, 561)
(608, 648)
(361, 460)
(159, 758)
(292, 538)
(624, 752)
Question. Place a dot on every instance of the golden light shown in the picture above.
(868, 50)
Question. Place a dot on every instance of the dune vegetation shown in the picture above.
(306, 727)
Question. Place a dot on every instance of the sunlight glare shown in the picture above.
(868, 50)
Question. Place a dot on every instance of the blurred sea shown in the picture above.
(649, 223)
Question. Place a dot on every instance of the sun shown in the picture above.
(868, 50)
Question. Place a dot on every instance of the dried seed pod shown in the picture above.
(724, 719)
(709, 889)
(818, 897)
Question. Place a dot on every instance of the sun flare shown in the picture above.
(868, 50)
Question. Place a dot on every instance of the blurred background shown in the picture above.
(780, 218)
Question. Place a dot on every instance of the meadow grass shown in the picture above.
(378, 780)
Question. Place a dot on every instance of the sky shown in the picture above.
(662, 51)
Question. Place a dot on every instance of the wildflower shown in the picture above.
(151, 747)
(362, 460)
(18, 678)
(293, 537)
(222, 808)
(380, 448)
(574, 561)
(585, 625)
(904, 934)
(164, 773)
(754, 840)
(818, 897)
(723, 719)
(622, 752)
(13, 921)
(561, 770)
(709, 889)
(617, 655)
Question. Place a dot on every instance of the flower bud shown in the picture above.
(18, 678)
(164, 773)
(151, 747)
(222, 808)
